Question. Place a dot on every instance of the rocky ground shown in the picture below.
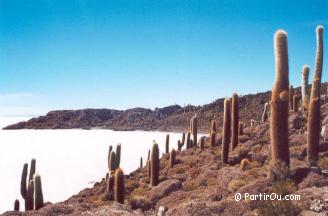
(199, 184)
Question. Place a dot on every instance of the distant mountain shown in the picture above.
(171, 118)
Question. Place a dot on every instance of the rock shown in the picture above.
(312, 198)
(313, 179)
(310, 213)
(163, 189)
(226, 174)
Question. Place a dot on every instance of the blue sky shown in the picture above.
(59, 54)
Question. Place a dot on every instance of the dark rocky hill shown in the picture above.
(171, 118)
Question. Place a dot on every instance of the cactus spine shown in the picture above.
(38, 195)
(279, 101)
(16, 205)
(305, 80)
(234, 121)
(265, 113)
(172, 158)
(154, 165)
(226, 131)
(314, 104)
(167, 143)
(291, 96)
(119, 186)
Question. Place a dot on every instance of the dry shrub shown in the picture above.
(235, 184)
(323, 163)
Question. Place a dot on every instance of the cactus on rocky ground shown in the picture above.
(234, 121)
(213, 127)
(118, 156)
(202, 143)
(154, 165)
(240, 129)
(119, 186)
(291, 95)
(279, 101)
(112, 162)
(295, 103)
(188, 141)
(16, 205)
(212, 139)
(172, 158)
(305, 80)
(183, 138)
(180, 145)
(23, 181)
(38, 195)
(194, 129)
(29, 196)
(226, 131)
(167, 143)
(265, 113)
(110, 183)
(141, 163)
(313, 135)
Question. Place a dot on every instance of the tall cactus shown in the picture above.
(118, 156)
(167, 143)
(141, 164)
(212, 139)
(32, 169)
(112, 162)
(180, 145)
(305, 80)
(29, 196)
(23, 181)
(291, 95)
(154, 165)
(172, 158)
(314, 105)
(183, 138)
(279, 101)
(226, 131)
(234, 121)
(213, 126)
(38, 195)
(265, 112)
(194, 129)
(119, 186)
(188, 141)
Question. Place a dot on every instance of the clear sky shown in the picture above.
(69, 54)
